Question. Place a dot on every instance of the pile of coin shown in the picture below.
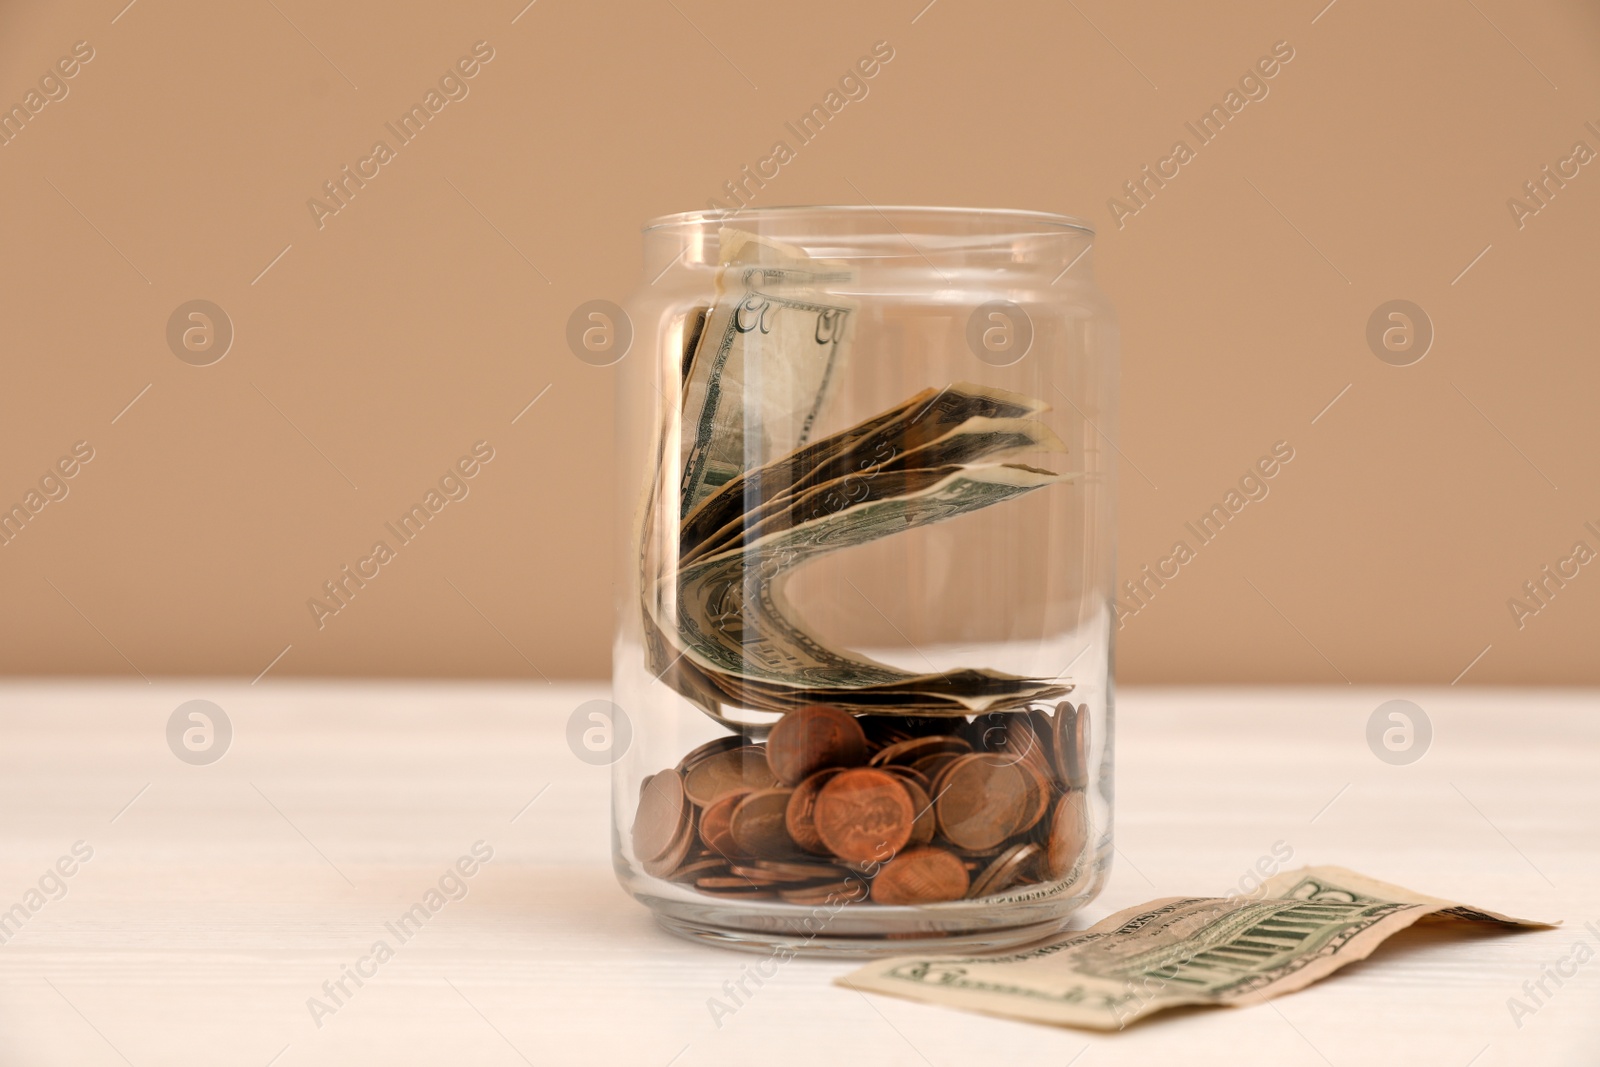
(895, 810)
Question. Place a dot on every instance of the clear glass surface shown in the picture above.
(826, 318)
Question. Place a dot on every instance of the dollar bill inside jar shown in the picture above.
(873, 809)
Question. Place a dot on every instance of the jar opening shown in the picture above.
(996, 222)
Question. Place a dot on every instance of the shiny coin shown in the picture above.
(800, 819)
(982, 801)
(757, 824)
(922, 875)
(736, 768)
(1069, 834)
(1007, 870)
(808, 739)
(863, 814)
(662, 815)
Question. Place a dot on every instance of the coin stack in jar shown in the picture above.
(894, 810)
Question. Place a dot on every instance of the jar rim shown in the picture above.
(1042, 218)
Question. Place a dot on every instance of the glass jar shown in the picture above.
(865, 625)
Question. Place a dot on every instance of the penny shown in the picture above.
(710, 748)
(1006, 870)
(1072, 743)
(670, 860)
(662, 813)
(979, 857)
(808, 739)
(924, 875)
(785, 869)
(1013, 736)
(736, 768)
(716, 823)
(909, 774)
(1069, 833)
(908, 752)
(1041, 791)
(757, 824)
(735, 887)
(800, 819)
(982, 801)
(924, 822)
(864, 814)
(828, 893)
(937, 779)
(699, 868)
(1044, 730)
(930, 766)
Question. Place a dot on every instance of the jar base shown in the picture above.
(863, 947)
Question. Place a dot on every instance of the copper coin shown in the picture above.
(983, 800)
(1044, 728)
(808, 739)
(757, 824)
(924, 875)
(1069, 834)
(1072, 743)
(801, 816)
(908, 752)
(734, 886)
(702, 868)
(736, 768)
(979, 857)
(799, 871)
(863, 814)
(909, 774)
(710, 748)
(716, 824)
(924, 822)
(662, 813)
(842, 891)
(1012, 735)
(670, 860)
(1007, 870)
(1041, 792)
(930, 766)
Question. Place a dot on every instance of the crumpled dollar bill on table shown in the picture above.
(1231, 951)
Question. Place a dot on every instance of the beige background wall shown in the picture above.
(373, 351)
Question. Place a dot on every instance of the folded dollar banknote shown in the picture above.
(1232, 951)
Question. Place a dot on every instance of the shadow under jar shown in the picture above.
(865, 621)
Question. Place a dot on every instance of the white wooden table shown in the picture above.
(220, 898)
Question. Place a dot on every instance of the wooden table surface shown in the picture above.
(220, 898)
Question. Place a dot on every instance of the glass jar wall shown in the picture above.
(865, 634)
